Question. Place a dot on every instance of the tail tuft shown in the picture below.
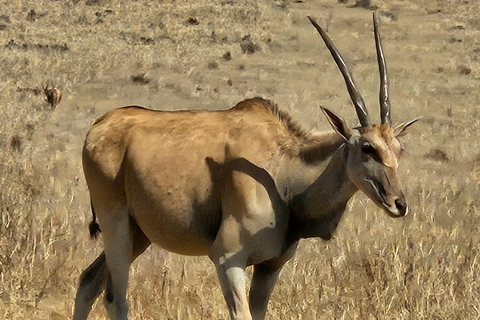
(94, 227)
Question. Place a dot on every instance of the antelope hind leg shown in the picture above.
(93, 279)
(92, 284)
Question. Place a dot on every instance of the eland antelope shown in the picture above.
(241, 185)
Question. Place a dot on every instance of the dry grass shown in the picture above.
(421, 267)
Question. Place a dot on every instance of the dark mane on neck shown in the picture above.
(324, 147)
(293, 127)
(314, 147)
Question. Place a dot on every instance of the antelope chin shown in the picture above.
(393, 211)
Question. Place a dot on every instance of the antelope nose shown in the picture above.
(401, 206)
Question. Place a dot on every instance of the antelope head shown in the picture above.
(372, 150)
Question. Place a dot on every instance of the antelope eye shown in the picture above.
(367, 148)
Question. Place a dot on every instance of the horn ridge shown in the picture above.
(355, 96)
(382, 67)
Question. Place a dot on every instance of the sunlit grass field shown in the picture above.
(173, 55)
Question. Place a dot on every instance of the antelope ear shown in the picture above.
(403, 128)
(337, 123)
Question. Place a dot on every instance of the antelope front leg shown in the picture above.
(263, 281)
(232, 280)
(265, 276)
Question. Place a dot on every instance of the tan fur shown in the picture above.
(166, 152)
(387, 145)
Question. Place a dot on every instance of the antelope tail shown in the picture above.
(94, 227)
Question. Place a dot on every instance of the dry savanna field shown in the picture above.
(177, 54)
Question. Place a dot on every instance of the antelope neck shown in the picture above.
(317, 210)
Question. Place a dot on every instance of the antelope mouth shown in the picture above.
(395, 211)
(399, 207)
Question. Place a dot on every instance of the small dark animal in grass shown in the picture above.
(52, 95)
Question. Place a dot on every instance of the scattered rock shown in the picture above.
(140, 78)
(166, 38)
(93, 2)
(388, 15)
(450, 112)
(438, 155)
(30, 128)
(229, 82)
(227, 56)
(281, 4)
(433, 11)
(56, 47)
(102, 15)
(16, 143)
(35, 91)
(212, 65)
(363, 4)
(147, 41)
(32, 15)
(192, 21)
(464, 70)
(248, 46)
(5, 18)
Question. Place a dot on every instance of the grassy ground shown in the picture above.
(174, 55)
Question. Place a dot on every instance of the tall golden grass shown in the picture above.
(421, 267)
